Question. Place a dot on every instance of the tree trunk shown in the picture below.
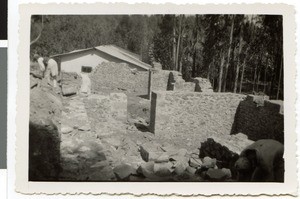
(221, 73)
(228, 56)
(177, 53)
(39, 36)
(174, 43)
(254, 80)
(208, 70)
(237, 72)
(194, 65)
(242, 76)
(177, 65)
(265, 75)
(279, 80)
(257, 81)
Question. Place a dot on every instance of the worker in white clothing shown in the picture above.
(49, 68)
(40, 61)
(52, 71)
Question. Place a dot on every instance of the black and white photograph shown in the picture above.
(191, 100)
(156, 98)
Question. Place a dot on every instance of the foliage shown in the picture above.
(250, 45)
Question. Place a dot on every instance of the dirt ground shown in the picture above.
(83, 143)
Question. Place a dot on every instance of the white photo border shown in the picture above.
(289, 187)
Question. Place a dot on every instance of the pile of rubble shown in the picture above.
(44, 137)
(166, 163)
(70, 83)
(225, 150)
(110, 76)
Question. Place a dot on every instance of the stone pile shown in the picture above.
(44, 137)
(167, 163)
(70, 83)
(225, 151)
(112, 77)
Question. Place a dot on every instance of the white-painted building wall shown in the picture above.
(74, 62)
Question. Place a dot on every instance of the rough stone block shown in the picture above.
(191, 170)
(209, 162)
(195, 162)
(150, 152)
(217, 175)
(123, 171)
(180, 166)
(67, 91)
(163, 169)
(66, 129)
(163, 158)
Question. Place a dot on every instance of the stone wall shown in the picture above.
(118, 77)
(196, 116)
(202, 85)
(260, 121)
(162, 80)
(159, 81)
(193, 116)
(185, 86)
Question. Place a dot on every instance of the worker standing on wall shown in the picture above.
(40, 61)
(49, 68)
(52, 71)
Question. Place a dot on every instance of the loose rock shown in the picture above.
(227, 172)
(209, 162)
(180, 166)
(163, 158)
(163, 169)
(216, 174)
(123, 171)
(66, 129)
(195, 162)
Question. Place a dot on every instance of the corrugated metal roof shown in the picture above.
(121, 54)
(116, 52)
(72, 52)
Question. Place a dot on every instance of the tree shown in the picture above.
(229, 53)
(34, 20)
(221, 73)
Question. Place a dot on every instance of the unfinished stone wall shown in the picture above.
(193, 116)
(260, 121)
(185, 86)
(163, 80)
(159, 81)
(196, 116)
(118, 77)
(203, 85)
